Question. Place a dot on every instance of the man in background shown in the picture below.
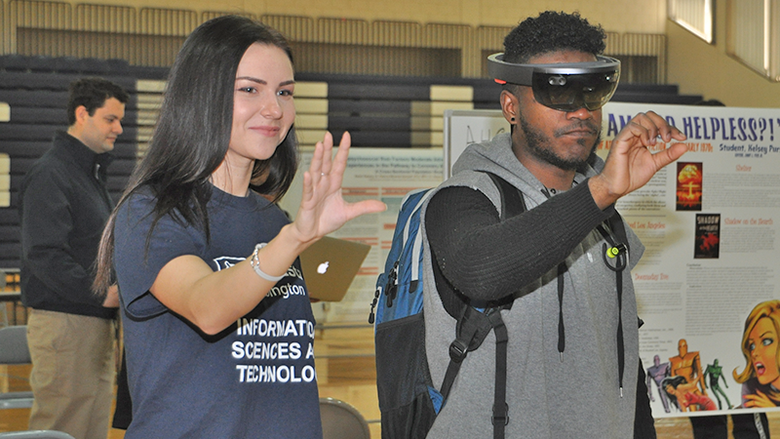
(64, 205)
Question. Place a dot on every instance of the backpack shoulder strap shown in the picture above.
(512, 204)
(474, 325)
(615, 223)
(512, 201)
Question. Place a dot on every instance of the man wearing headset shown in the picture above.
(573, 363)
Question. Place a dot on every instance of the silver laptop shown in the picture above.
(329, 266)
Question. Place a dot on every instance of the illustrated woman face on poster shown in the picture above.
(761, 377)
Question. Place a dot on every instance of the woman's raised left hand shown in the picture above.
(323, 208)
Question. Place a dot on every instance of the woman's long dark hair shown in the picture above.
(192, 134)
(674, 381)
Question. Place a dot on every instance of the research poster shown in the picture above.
(385, 174)
(708, 285)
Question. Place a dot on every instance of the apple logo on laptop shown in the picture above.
(323, 267)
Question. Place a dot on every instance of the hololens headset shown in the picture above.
(564, 86)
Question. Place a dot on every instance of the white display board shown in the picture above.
(463, 127)
(386, 174)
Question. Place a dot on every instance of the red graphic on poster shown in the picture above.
(707, 236)
(709, 241)
(689, 186)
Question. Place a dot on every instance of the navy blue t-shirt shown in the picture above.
(256, 379)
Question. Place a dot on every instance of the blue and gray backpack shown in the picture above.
(408, 399)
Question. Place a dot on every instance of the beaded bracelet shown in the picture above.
(255, 263)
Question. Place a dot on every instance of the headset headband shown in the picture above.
(521, 74)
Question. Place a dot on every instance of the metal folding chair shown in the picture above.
(14, 350)
(36, 434)
(342, 421)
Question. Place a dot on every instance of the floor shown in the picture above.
(345, 365)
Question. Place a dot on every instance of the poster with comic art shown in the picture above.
(708, 285)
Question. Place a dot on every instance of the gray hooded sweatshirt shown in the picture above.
(574, 394)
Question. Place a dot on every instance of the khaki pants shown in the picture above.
(73, 373)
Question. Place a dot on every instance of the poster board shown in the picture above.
(463, 127)
(386, 174)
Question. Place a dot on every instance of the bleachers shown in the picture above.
(385, 111)
(407, 111)
(653, 94)
(379, 111)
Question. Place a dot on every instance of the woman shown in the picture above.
(683, 395)
(218, 327)
(761, 377)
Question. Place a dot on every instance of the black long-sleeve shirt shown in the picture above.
(478, 255)
(63, 206)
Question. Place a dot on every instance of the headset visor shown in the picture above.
(565, 87)
(572, 92)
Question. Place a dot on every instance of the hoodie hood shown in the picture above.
(496, 156)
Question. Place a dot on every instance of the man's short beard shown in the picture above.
(538, 142)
